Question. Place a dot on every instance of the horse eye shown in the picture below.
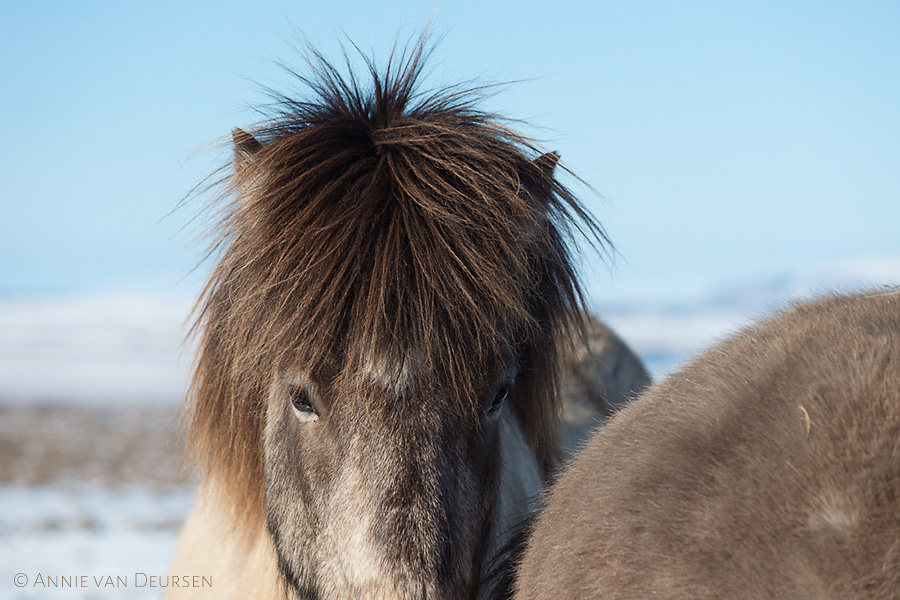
(301, 402)
(499, 397)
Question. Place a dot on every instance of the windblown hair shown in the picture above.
(372, 219)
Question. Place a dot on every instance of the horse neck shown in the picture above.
(521, 479)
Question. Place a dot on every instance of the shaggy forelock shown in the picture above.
(376, 220)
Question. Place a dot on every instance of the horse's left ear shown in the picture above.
(547, 163)
(245, 146)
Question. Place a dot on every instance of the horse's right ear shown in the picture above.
(245, 146)
(547, 163)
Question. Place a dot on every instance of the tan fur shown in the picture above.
(241, 564)
(769, 467)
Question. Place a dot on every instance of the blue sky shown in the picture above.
(728, 140)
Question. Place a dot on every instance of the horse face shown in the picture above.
(383, 489)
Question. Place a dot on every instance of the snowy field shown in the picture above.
(92, 485)
(92, 480)
(67, 530)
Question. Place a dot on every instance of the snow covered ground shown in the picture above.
(77, 371)
(69, 530)
(91, 480)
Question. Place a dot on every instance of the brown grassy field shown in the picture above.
(109, 446)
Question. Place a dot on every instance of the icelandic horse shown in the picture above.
(769, 467)
(382, 345)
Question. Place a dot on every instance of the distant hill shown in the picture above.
(120, 347)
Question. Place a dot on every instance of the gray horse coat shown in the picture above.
(769, 467)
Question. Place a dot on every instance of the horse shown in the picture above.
(382, 343)
(769, 467)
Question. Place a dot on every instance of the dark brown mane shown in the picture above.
(373, 218)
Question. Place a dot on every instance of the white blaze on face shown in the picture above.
(350, 552)
(343, 546)
(353, 563)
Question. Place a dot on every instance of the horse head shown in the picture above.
(384, 323)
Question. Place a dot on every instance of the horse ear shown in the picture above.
(245, 146)
(547, 163)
